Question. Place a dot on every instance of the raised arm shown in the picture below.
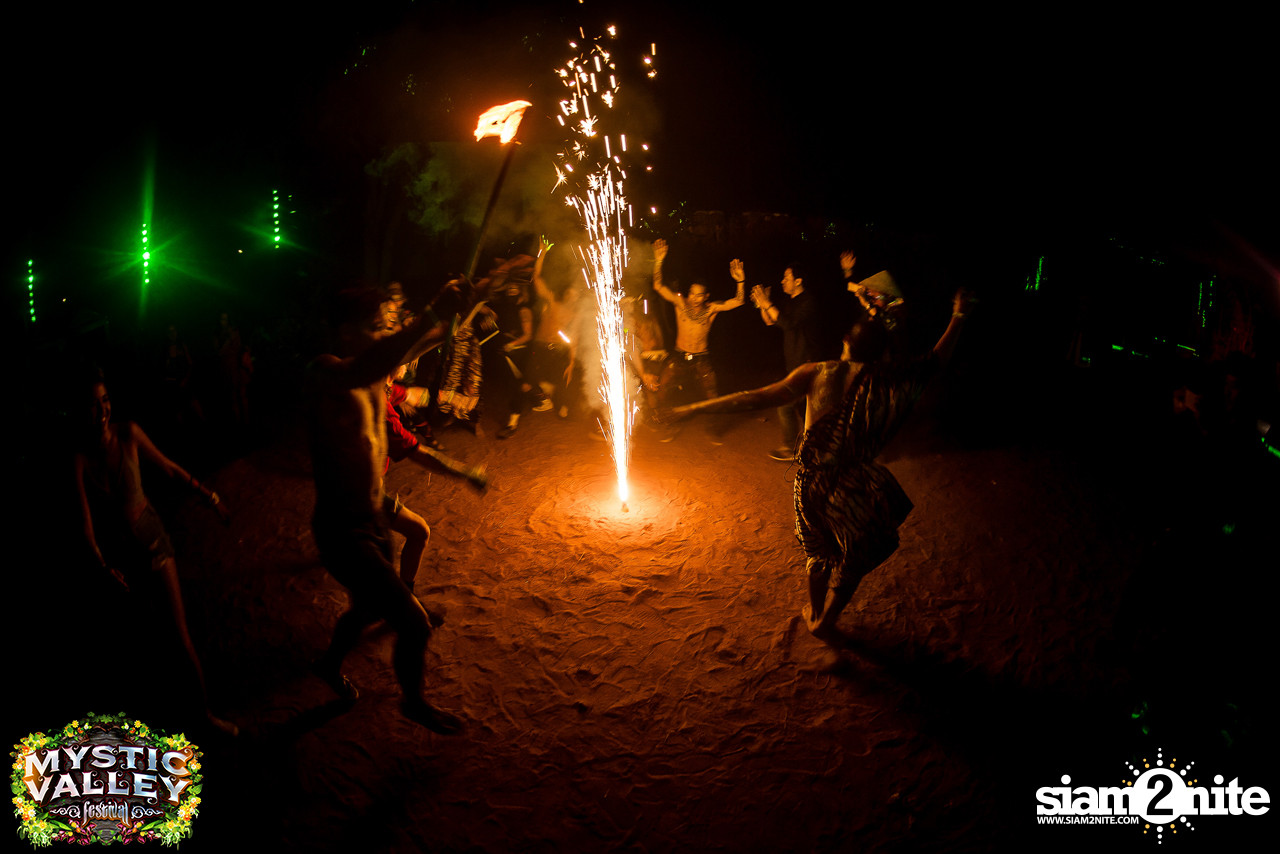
(382, 358)
(768, 311)
(795, 386)
(961, 303)
(435, 337)
(736, 272)
(453, 287)
(660, 255)
(847, 260)
(539, 283)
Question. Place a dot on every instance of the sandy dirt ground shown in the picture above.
(642, 680)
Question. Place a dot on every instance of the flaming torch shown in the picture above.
(592, 171)
(501, 121)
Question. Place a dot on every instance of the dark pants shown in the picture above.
(506, 373)
(689, 371)
(547, 364)
(358, 555)
(692, 373)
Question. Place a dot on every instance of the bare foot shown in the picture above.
(809, 620)
(825, 633)
(436, 720)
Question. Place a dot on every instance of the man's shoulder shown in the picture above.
(323, 376)
(324, 360)
(322, 366)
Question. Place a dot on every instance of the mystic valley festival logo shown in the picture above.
(105, 778)
(1158, 796)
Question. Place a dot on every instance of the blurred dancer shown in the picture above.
(353, 517)
(123, 531)
(403, 445)
(694, 315)
(554, 349)
(798, 318)
(848, 506)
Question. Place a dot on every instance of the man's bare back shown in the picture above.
(348, 413)
(352, 520)
(349, 443)
(827, 387)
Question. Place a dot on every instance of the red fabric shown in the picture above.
(400, 442)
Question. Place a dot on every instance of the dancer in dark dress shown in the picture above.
(848, 506)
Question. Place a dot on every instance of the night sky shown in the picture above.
(999, 133)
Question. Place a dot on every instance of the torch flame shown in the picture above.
(501, 121)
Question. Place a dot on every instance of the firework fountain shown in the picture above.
(590, 171)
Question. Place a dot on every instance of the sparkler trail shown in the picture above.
(595, 190)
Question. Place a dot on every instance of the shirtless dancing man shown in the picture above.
(347, 421)
(555, 352)
(848, 506)
(694, 315)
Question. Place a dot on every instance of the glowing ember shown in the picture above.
(501, 121)
(597, 195)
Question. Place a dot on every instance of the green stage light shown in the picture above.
(1034, 284)
(275, 217)
(145, 258)
(1204, 301)
(31, 288)
(148, 215)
